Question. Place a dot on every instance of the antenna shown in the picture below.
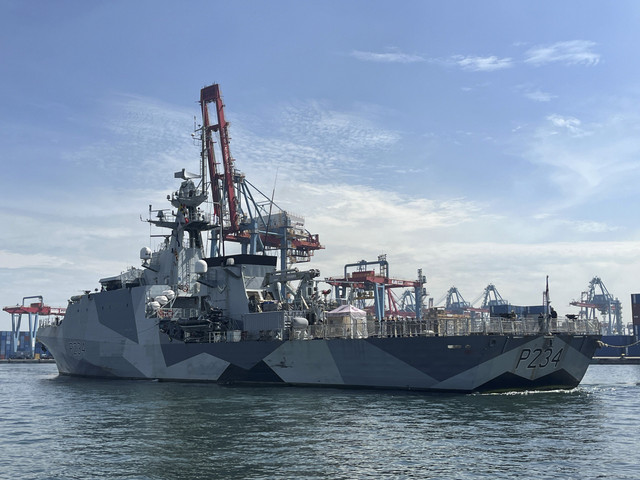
(273, 194)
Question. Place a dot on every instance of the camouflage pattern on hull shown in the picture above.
(100, 339)
(252, 318)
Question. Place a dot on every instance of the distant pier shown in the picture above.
(27, 360)
(622, 360)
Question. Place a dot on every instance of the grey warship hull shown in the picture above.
(193, 313)
(107, 334)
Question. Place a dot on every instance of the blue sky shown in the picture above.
(485, 142)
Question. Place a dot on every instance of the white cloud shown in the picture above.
(387, 57)
(142, 138)
(587, 161)
(592, 227)
(570, 124)
(539, 96)
(482, 64)
(574, 226)
(312, 139)
(574, 52)
(349, 130)
(14, 260)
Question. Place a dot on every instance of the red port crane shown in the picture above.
(219, 191)
(258, 226)
(33, 310)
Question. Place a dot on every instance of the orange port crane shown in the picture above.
(258, 226)
(365, 284)
(33, 310)
(226, 188)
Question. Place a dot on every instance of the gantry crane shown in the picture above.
(365, 284)
(490, 297)
(258, 225)
(408, 306)
(455, 303)
(33, 310)
(597, 297)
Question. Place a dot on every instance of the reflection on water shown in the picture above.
(81, 428)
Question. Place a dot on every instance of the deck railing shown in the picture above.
(50, 320)
(177, 313)
(449, 327)
(361, 328)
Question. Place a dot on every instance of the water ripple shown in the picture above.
(65, 428)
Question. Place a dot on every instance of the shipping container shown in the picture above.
(23, 348)
(39, 350)
(635, 313)
(529, 310)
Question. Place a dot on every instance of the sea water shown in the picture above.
(55, 427)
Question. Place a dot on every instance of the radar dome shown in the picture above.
(299, 323)
(145, 253)
(201, 267)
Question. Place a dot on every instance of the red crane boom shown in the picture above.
(249, 223)
(208, 95)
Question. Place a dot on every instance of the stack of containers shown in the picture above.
(24, 346)
(5, 345)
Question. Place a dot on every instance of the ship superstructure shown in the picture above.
(195, 311)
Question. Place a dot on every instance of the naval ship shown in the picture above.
(197, 311)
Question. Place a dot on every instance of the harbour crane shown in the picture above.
(408, 303)
(455, 303)
(33, 310)
(366, 284)
(245, 214)
(490, 297)
(598, 298)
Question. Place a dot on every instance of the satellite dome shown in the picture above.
(145, 253)
(201, 267)
(299, 323)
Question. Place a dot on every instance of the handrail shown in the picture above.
(401, 327)
(446, 327)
